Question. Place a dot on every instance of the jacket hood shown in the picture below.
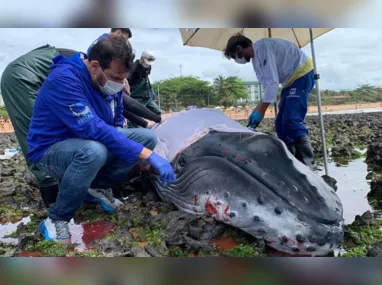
(76, 61)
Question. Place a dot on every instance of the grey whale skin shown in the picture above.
(248, 180)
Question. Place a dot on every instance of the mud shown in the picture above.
(146, 227)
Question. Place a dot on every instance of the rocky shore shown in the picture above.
(146, 227)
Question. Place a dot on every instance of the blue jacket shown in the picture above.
(100, 38)
(69, 105)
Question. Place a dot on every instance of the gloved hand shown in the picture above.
(164, 168)
(254, 119)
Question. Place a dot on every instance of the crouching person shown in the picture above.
(76, 133)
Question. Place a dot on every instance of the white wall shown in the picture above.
(1, 101)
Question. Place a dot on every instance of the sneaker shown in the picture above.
(105, 197)
(57, 231)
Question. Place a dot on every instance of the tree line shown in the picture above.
(180, 92)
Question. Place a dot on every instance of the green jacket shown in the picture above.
(140, 86)
(141, 89)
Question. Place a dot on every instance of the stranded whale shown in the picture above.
(248, 180)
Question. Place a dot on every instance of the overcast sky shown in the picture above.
(346, 58)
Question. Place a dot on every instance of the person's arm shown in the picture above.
(66, 99)
(139, 109)
(120, 119)
(136, 119)
(262, 108)
(269, 76)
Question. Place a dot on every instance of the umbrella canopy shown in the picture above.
(217, 38)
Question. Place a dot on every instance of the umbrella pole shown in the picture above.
(316, 77)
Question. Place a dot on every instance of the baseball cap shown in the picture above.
(148, 57)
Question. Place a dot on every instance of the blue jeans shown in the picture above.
(81, 164)
(293, 107)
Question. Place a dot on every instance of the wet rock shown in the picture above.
(157, 250)
(375, 250)
(371, 175)
(366, 219)
(139, 252)
(330, 181)
(343, 148)
(375, 191)
(150, 197)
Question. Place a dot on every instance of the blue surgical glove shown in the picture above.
(254, 119)
(167, 175)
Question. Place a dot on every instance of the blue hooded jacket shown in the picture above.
(69, 105)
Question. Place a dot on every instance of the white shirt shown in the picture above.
(274, 63)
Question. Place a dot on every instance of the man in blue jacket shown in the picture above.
(121, 32)
(76, 132)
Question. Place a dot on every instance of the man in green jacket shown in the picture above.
(140, 86)
(21, 80)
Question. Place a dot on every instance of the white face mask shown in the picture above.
(241, 60)
(145, 65)
(111, 87)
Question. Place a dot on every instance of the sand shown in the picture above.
(312, 109)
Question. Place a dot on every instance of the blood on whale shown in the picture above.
(212, 209)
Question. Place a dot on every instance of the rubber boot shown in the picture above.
(49, 195)
(304, 152)
(291, 148)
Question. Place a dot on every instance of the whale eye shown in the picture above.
(232, 214)
(245, 205)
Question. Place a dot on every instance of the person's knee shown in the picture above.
(149, 139)
(92, 153)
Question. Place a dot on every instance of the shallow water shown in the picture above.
(352, 187)
(8, 228)
(352, 190)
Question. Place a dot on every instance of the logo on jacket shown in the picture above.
(82, 112)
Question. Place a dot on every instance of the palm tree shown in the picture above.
(223, 89)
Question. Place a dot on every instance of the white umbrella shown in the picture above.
(217, 39)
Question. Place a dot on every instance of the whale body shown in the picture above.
(248, 180)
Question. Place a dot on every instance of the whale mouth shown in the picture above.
(251, 181)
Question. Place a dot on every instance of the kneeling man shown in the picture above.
(76, 132)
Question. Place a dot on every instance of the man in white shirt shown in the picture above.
(278, 61)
